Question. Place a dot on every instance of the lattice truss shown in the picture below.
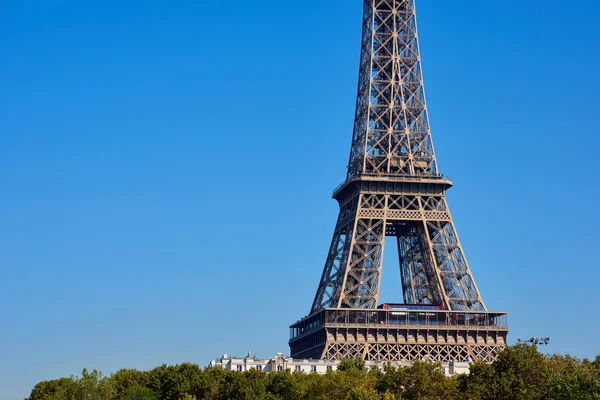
(392, 140)
(391, 129)
(433, 267)
(412, 352)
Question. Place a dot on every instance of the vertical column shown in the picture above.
(330, 285)
(361, 283)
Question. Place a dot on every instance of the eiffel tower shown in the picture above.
(393, 189)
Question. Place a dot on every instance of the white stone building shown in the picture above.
(282, 363)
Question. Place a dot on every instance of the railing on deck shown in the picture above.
(392, 177)
(378, 318)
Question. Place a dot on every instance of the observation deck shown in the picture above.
(399, 335)
(390, 183)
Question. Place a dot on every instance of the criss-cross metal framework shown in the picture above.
(393, 187)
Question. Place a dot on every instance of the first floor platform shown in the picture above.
(396, 335)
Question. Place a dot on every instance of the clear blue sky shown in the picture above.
(166, 171)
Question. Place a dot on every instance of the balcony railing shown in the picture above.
(392, 178)
(395, 318)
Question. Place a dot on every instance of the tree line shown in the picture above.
(519, 373)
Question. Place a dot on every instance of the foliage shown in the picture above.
(50, 390)
(422, 380)
(139, 393)
(519, 373)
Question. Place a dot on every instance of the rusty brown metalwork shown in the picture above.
(393, 189)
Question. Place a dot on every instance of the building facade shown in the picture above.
(281, 363)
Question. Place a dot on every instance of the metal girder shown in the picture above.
(433, 266)
(390, 335)
(391, 130)
(393, 187)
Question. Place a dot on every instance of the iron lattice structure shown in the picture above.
(389, 335)
(393, 187)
